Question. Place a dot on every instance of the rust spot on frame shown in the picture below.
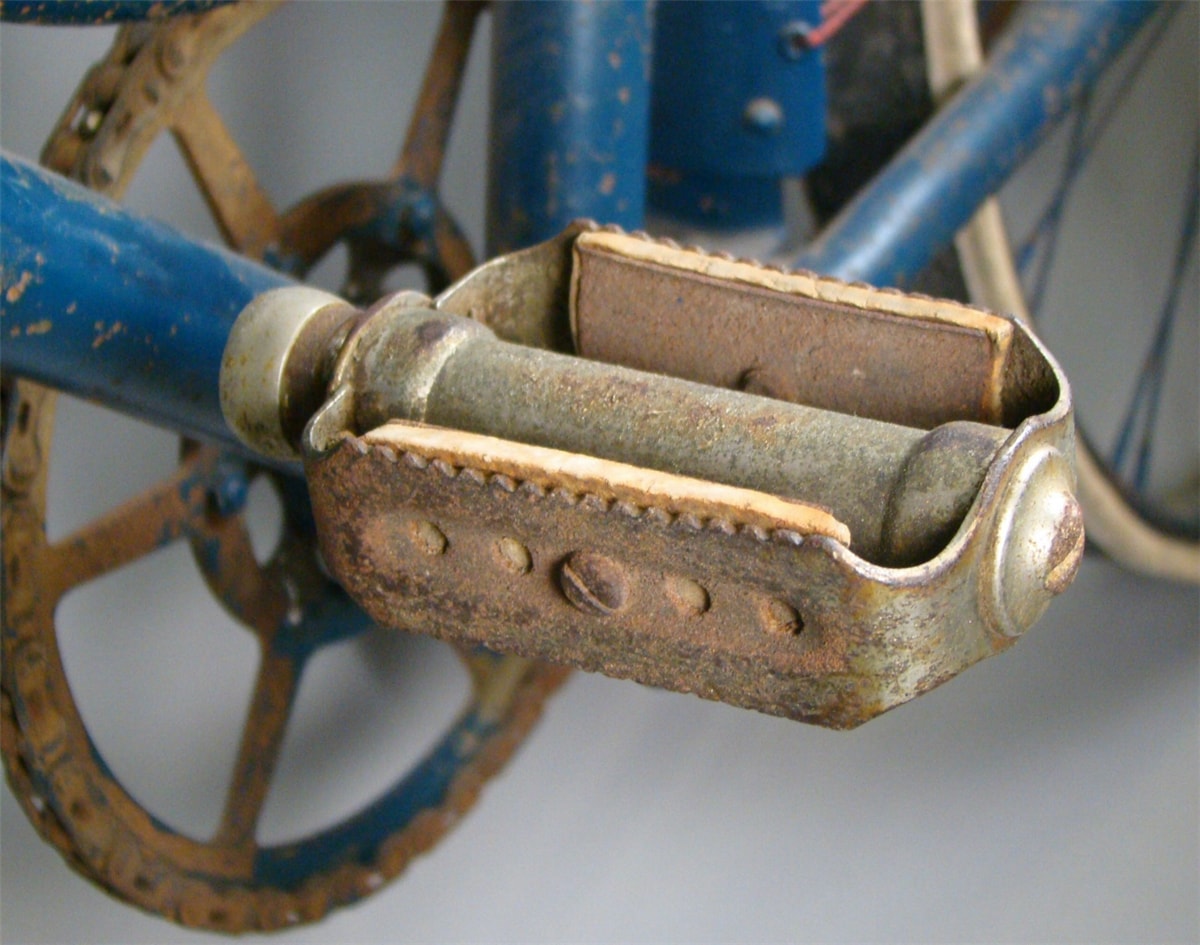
(17, 289)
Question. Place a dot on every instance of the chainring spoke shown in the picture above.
(424, 147)
(129, 532)
(310, 229)
(255, 595)
(237, 201)
(151, 81)
(271, 706)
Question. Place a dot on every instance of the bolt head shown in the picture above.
(1038, 543)
(794, 39)
(763, 115)
(594, 584)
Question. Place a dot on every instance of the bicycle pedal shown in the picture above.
(887, 499)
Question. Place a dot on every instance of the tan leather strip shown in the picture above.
(807, 284)
(614, 481)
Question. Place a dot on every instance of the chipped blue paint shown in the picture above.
(330, 619)
(570, 117)
(98, 12)
(229, 485)
(409, 209)
(116, 308)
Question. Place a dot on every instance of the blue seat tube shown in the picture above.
(570, 117)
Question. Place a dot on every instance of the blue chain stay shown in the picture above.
(1051, 55)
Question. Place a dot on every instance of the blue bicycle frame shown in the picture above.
(129, 313)
(125, 312)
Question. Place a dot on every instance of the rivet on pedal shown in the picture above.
(427, 537)
(594, 584)
(514, 556)
(782, 618)
(688, 597)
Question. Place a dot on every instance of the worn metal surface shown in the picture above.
(404, 361)
(1052, 53)
(712, 316)
(152, 80)
(767, 619)
(570, 101)
(607, 562)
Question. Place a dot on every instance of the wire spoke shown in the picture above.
(1050, 225)
(1089, 128)
(131, 531)
(1143, 408)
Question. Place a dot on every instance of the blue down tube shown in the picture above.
(102, 303)
(113, 307)
(1051, 55)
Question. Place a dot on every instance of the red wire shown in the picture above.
(834, 15)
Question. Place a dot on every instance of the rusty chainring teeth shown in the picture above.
(153, 80)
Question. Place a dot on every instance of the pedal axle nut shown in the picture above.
(594, 584)
(1038, 543)
(273, 370)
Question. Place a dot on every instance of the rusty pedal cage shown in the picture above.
(799, 574)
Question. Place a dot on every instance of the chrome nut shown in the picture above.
(255, 396)
(1038, 543)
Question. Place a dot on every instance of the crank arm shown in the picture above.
(887, 499)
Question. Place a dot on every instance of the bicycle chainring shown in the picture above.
(153, 80)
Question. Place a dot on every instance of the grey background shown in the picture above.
(1050, 794)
